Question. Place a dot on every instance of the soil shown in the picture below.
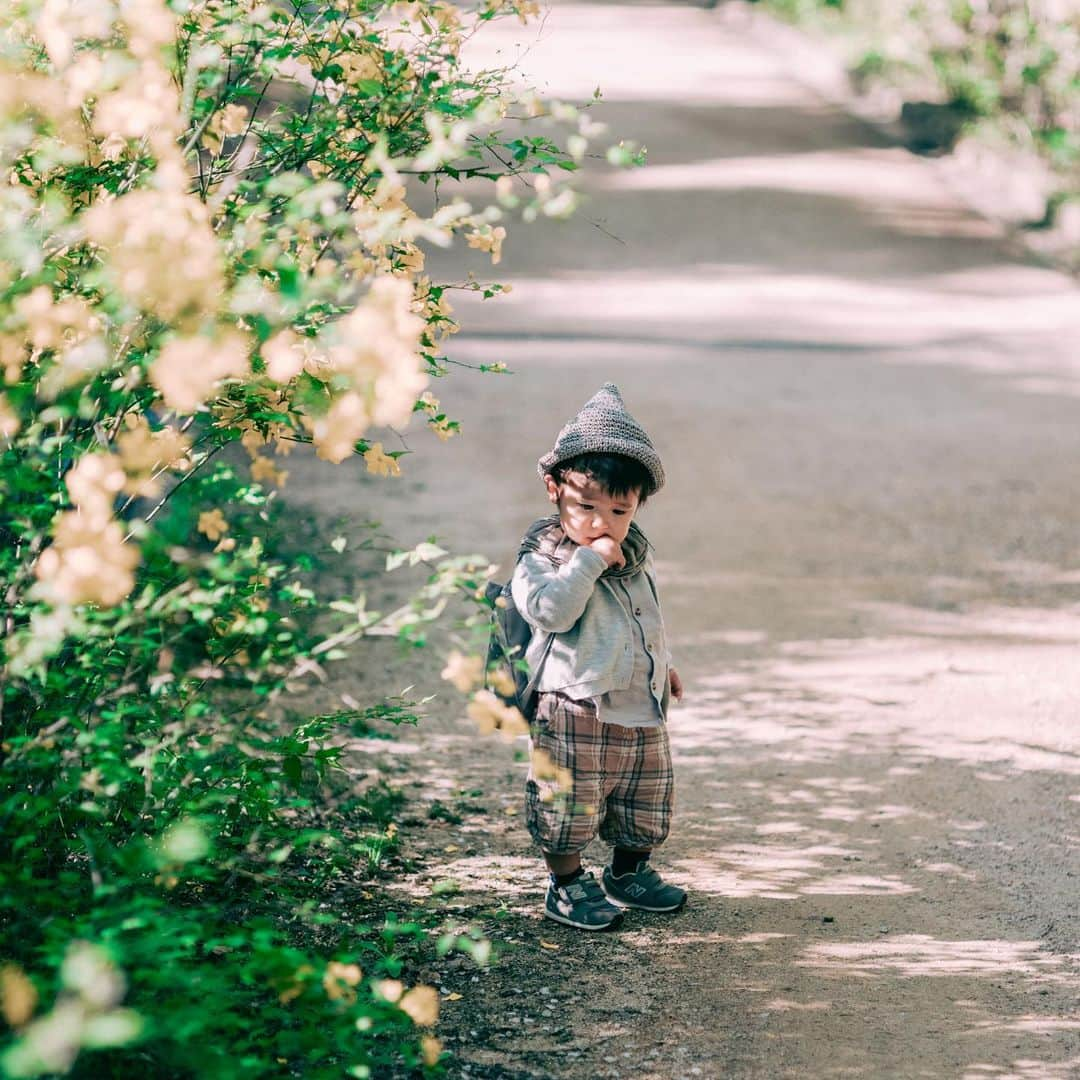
(869, 411)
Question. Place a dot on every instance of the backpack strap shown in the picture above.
(509, 640)
(528, 695)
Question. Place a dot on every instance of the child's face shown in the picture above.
(587, 511)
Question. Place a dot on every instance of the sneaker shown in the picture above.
(643, 888)
(582, 904)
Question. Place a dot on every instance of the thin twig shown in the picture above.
(176, 487)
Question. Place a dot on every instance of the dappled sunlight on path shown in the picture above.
(986, 686)
(919, 956)
(867, 550)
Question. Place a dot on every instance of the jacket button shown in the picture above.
(637, 611)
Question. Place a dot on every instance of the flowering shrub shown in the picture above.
(206, 241)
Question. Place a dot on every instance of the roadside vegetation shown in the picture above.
(209, 258)
(1004, 71)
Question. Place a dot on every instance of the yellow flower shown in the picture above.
(146, 105)
(77, 362)
(430, 1050)
(339, 980)
(66, 326)
(501, 681)
(441, 307)
(94, 483)
(253, 440)
(513, 723)
(376, 348)
(389, 989)
(350, 974)
(422, 1005)
(12, 357)
(160, 248)
(144, 452)
(463, 671)
(263, 471)
(149, 24)
(544, 768)
(113, 147)
(445, 429)
(212, 524)
(490, 714)
(18, 998)
(446, 15)
(357, 66)
(9, 421)
(230, 121)
(88, 561)
(358, 262)
(486, 238)
(51, 324)
(187, 370)
(284, 356)
(410, 261)
(526, 9)
(60, 23)
(336, 433)
(484, 710)
(381, 463)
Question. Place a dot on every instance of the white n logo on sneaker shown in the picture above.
(635, 890)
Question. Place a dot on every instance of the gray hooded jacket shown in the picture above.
(583, 640)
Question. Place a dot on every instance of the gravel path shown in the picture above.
(869, 411)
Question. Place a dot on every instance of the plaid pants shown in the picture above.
(590, 778)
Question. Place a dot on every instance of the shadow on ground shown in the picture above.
(869, 417)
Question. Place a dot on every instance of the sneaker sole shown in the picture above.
(616, 921)
(644, 907)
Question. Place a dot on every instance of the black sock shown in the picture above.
(625, 860)
(562, 880)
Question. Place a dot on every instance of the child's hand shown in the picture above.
(609, 551)
(676, 684)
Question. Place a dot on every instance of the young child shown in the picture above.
(584, 582)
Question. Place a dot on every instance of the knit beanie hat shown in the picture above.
(604, 427)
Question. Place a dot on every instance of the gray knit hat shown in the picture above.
(604, 427)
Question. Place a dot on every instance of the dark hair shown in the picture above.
(617, 474)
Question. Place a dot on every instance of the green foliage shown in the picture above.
(1014, 64)
(207, 243)
(155, 811)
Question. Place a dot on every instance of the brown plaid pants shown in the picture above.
(588, 777)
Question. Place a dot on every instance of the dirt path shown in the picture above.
(869, 553)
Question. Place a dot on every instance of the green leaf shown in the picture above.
(293, 769)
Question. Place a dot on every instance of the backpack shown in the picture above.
(508, 675)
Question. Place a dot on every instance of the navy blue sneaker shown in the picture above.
(643, 888)
(582, 904)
